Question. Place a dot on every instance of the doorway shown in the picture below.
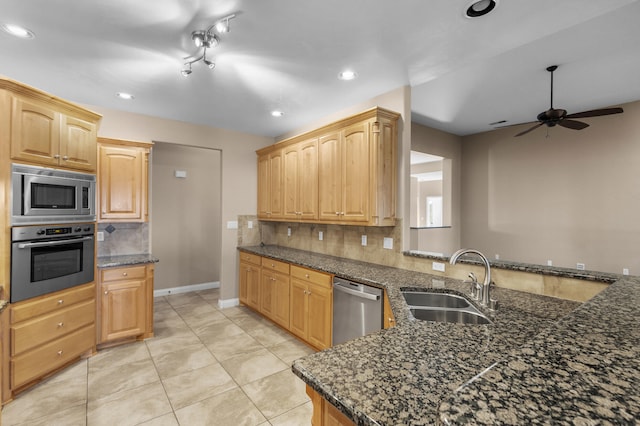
(185, 208)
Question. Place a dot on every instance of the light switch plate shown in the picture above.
(320, 235)
(232, 224)
(250, 224)
(100, 236)
(364, 240)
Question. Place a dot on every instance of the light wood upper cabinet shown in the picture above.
(270, 201)
(353, 182)
(344, 174)
(123, 181)
(42, 135)
(300, 180)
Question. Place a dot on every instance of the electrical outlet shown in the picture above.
(549, 263)
(625, 271)
(580, 266)
(364, 240)
(497, 256)
(250, 224)
(320, 235)
(288, 231)
(437, 266)
(387, 243)
(100, 235)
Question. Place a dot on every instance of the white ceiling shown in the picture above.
(286, 54)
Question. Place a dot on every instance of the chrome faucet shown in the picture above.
(486, 285)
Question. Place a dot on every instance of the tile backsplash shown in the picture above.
(124, 238)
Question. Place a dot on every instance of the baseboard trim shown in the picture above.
(185, 289)
(228, 303)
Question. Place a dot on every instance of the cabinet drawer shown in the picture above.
(31, 308)
(251, 258)
(275, 265)
(310, 275)
(38, 362)
(31, 334)
(119, 274)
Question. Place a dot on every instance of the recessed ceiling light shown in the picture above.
(123, 95)
(347, 75)
(277, 113)
(18, 31)
(480, 8)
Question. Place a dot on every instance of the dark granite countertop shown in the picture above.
(125, 260)
(422, 373)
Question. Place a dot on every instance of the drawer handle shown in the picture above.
(60, 302)
(60, 352)
(60, 324)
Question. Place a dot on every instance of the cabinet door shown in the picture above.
(267, 293)
(263, 187)
(330, 177)
(35, 133)
(356, 167)
(245, 271)
(298, 309)
(253, 288)
(291, 182)
(281, 290)
(78, 148)
(320, 316)
(308, 180)
(123, 309)
(276, 164)
(120, 181)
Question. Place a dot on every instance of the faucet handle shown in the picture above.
(473, 277)
(493, 301)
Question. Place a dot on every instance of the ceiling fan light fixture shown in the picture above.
(186, 71)
(480, 8)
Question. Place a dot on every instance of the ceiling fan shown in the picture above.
(552, 116)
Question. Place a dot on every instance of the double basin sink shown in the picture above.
(443, 307)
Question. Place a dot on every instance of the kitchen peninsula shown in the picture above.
(541, 360)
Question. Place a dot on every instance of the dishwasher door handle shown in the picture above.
(356, 293)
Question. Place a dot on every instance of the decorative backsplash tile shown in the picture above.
(123, 238)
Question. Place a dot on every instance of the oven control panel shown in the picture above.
(23, 233)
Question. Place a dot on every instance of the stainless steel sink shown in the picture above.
(436, 300)
(443, 307)
(450, 315)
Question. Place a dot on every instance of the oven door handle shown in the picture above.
(53, 243)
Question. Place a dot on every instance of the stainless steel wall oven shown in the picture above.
(49, 258)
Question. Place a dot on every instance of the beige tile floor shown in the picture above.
(204, 366)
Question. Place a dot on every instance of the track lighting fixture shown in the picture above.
(206, 39)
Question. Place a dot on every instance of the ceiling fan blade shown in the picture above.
(528, 130)
(596, 113)
(573, 124)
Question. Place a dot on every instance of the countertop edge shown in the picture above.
(125, 260)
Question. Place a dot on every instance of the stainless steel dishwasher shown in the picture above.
(357, 310)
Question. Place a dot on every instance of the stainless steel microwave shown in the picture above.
(48, 196)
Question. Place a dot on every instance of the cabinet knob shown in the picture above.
(306, 275)
(65, 158)
(124, 274)
(60, 352)
(106, 292)
(60, 324)
(60, 302)
(56, 155)
(273, 265)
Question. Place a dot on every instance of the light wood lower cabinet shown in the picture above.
(389, 319)
(298, 299)
(311, 306)
(126, 303)
(324, 413)
(50, 331)
(250, 280)
(274, 291)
